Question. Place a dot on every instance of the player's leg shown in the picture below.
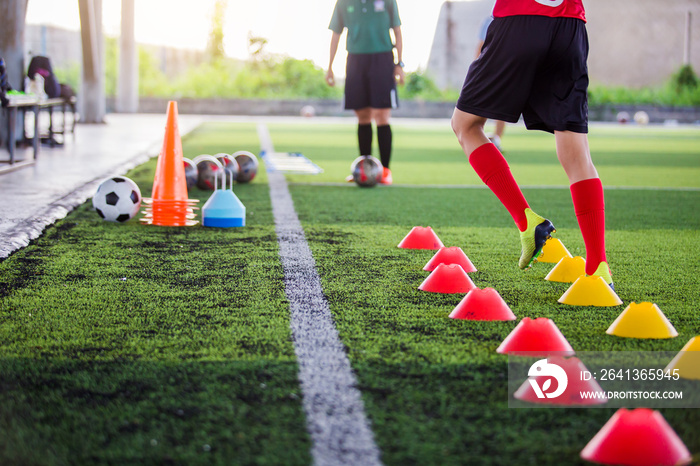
(588, 198)
(364, 130)
(494, 171)
(500, 128)
(558, 103)
(497, 135)
(383, 99)
(469, 130)
(497, 87)
(357, 98)
(381, 117)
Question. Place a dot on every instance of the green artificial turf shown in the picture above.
(428, 153)
(134, 344)
(435, 388)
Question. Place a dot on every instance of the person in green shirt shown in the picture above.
(370, 72)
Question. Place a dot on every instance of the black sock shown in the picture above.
(384, 141)
(364, 138)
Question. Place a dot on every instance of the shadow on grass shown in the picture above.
(55, 412)
(458, 414)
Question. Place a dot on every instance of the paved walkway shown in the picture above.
(62, 178)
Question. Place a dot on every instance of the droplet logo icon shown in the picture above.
(542, 368)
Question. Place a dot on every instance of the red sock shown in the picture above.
(589, 205)
(492, 168)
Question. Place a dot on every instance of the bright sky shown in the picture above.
(297, 28)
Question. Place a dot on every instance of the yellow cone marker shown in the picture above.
(687, 361)
(553, 251)
(590, 291)
(567, 270)
(643, 320)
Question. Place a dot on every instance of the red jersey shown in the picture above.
(554, 8)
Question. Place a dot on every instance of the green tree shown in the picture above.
(685, 78)
(152, 81)
(69, 74)
(419, 86)
(111, 66)
(256, 50)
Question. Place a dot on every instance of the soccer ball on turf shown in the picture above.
(230, 166)
(117, 199)
(191, 172)
(247, 166)
(366, 171)
(641, 117)
(308, 111)
(623, 117)
(208, 171)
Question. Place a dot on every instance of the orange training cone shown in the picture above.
(421, 238)
(170, 182)
(643, 320)
(169, 205)
(484, 304)
(540, 336)
(447, 279)
(553, 251)
(567, 270)
(590, 291)
(639, 437)
(687, 361)
(575, 371)
(452, 255)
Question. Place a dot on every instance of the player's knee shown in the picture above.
(381, 116)
(364, 115)
(460, 126)
(465, 125)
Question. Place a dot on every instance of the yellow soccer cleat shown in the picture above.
(538, 231)
(604, 271)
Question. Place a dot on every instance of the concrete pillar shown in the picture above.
(13, 14)
(92, 99)
(450, 46)
(455, 40)
(688, 38)
(128, 79)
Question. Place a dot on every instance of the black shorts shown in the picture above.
(369, 81)
(534, 66)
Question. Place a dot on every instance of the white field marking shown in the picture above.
(476, 186)
(335, 414)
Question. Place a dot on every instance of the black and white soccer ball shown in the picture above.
(366, 171)
(247, 166)
(117, 199)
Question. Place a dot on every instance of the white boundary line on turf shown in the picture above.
(335, 415)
